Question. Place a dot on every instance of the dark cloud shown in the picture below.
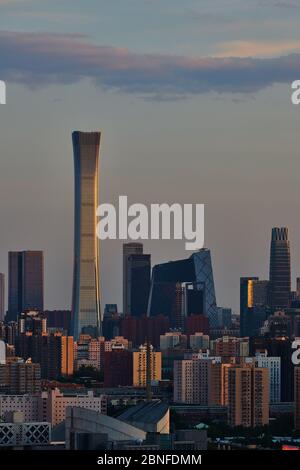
(37, 59)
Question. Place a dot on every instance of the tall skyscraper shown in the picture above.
(194, 276)
(297, 397)
(254, 301)
(2, 296)
(246, 302)
(86, 314)
(298, 288)
(137, 287)
(25, 282)
(128, 249)
(280, 268)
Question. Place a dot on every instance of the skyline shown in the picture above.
(238, 153)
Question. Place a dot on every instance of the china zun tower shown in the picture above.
(86, 313)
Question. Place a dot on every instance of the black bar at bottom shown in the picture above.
(139, 459)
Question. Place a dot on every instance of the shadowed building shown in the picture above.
(153, 417)
(86, 314)
(139, 329)
(25, 282)
(118, 368)
(254, 300)
(182, 288)
(246, 302)
(280, 268)
(58, 319)
(278, 347)
(137, 283)
(2, 296)
(132, 248)
(297, 397)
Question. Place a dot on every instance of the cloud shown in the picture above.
(257, 49)
(36, 59)
(288, 4)
(9, 2)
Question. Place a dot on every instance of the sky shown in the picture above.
(194, 103)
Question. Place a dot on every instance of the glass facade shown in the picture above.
(25, 282)
(195, 274)
(280, 268)
(86, 283)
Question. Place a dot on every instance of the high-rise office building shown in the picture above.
(193, 279)
(297, 396)
(248, 396)
(280, 268)
(298, 288)
(86, 314)
(2, 297)
(137, 283)
(133, 248)
(224, 317)
(246, 302)
(254, 300)
(25, 282)
(260, 293)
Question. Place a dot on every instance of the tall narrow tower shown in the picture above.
(280, 268)
(25, 282)
(86, 315)
(2, 296)
(133, 248)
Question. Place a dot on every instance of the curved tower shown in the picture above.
(86, 315)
